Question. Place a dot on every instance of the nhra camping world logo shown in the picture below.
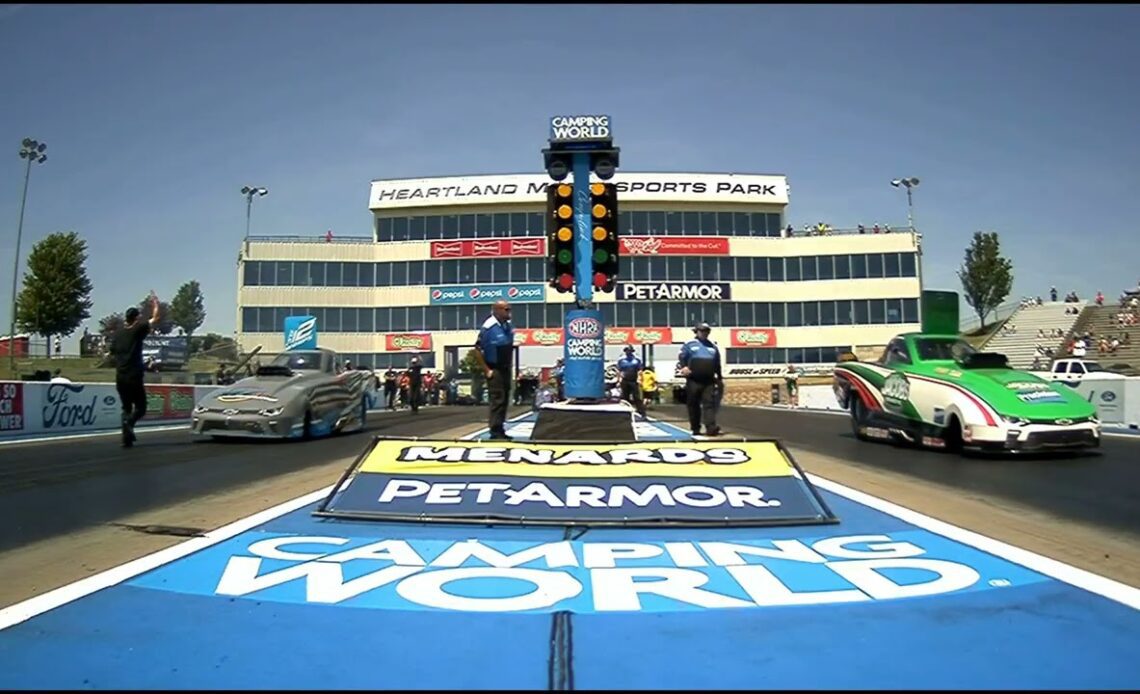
(585, 328)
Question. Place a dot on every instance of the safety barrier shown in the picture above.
(33, 408)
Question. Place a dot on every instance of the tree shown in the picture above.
(109, 324)
(165, 323)
(56, 296)
(986, 276)
(187, 309)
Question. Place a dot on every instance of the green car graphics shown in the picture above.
(938, 391)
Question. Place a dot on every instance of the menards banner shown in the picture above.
(535, 337)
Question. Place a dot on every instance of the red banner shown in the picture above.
(168, 402)
(489, 248)
(674, 245)
(11, 406)
(754, 337)
(538, 337)
(407, 342)
(639, 336)
(533, 337)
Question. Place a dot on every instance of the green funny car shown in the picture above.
(936, 390)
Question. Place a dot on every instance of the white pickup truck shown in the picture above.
(1072, 371)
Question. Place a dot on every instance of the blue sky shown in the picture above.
(1018, 119)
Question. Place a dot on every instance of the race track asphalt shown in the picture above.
(54, 487)
(1101, 487)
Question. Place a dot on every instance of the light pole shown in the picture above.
(249, 192)
(32, 151)
(910, 184)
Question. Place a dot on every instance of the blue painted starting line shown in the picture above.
(887, 599)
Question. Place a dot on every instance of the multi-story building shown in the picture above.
(695, 247)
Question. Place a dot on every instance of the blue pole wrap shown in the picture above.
(584, 370)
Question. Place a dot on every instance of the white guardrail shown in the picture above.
(32, 408)
(1117, 401)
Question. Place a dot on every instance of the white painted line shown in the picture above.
(1129, 434)
(23, 611)
(1093, 583)
(32, 607)
(484, 430)
(115, 432)
(1086, 580)
(92, 434)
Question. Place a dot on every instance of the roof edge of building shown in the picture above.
(540, 172)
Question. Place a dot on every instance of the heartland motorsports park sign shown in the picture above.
(531, 189)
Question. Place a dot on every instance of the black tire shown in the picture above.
(952, 435)
(858, 418)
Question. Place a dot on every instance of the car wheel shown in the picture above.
(858, 418)
(952, 435)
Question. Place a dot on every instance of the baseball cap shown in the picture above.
(131, 313)
(702, 326)
(628, 348)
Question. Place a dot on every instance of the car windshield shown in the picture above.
(1092, 367)
(947, 349)
(299, 361)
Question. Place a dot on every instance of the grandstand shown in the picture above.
(1017, 339)
(1101, 320)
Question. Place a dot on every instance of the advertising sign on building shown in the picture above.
(673, 245)
(674, 291)
(300, 332)
(639, 336)
(531, 188)
(489, 248)
(753, 337)
(539, 337)
(486, 294)
(407, 342)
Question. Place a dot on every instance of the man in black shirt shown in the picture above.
(126, 349)
(415, 383)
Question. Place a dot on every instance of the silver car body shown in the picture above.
(300, 394)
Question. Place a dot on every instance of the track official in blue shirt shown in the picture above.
(700, 365)
(496, 350)
(629, 377)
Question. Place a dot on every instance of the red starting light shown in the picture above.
(566, 281)
(600, 279)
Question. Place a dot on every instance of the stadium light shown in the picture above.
(32, 151)
(249, 192)
(909, 184)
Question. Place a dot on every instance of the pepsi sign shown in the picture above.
(487, 293)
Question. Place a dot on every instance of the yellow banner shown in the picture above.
(494, 458)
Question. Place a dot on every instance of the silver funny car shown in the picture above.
(301, 394)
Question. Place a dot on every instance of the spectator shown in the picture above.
(862, 229)
(1053, 294)
(1099, 298)
(59, 377)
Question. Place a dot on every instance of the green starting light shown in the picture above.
(601, 256)
(564, 256)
